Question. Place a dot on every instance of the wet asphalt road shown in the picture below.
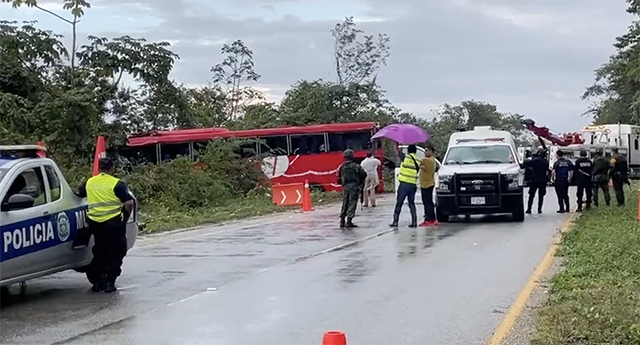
(288, 278)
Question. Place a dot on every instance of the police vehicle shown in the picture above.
(40, 216)
(481, 174)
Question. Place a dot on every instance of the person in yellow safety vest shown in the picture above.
(110, 206)
(408, 178)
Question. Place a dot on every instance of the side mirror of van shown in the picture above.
(18, 202)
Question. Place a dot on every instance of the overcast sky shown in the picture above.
(534, 57)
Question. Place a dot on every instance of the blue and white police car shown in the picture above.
(40, 216)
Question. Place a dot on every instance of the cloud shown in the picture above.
(530, 57)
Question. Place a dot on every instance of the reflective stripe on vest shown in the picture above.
(408, 172)
(103, 202)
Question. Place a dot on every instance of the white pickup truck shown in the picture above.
(40, 216)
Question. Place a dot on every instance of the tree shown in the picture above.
(208, 106)
(76, 7)
(236, 68)
(319, 101)
(617, 84)
(358, 58)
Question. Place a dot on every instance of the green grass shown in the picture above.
(158, 218)
(596, 298)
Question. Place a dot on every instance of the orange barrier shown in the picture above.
(306, 198)
(287, 194)
(101, 152)
(334, 338)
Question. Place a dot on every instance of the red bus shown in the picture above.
(290, 154)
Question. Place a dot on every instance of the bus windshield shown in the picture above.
(493, 154)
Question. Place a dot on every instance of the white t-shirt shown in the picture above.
(370, 165)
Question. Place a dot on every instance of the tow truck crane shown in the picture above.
(559, 140)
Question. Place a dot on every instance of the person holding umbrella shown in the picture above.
(409, 168)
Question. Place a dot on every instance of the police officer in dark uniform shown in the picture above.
(584, 173)
(601, 172)
(561, 175)
(539, 167)
(351, 176)
(619, 175)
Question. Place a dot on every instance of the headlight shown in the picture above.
(444, 181)
(444, 178)
(515, 180)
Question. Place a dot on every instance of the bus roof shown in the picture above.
(205, 134)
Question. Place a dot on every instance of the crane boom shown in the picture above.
(558, 139)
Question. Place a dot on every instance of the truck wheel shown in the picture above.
(441, 217)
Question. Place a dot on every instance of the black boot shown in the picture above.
(579, 209)
(350, 224)
(588, 206)
(540, 203)
(110, 287)
(97, 287)
(342, 223)
(529, 204)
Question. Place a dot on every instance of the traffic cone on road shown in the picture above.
(334, 338)
(101, 152)
(306, 198)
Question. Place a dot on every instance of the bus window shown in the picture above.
(172, 151)
(276, 146)
(307, 144)
(247, 148)
(353, 140)
(142, 154)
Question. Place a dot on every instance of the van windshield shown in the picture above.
(494, 154)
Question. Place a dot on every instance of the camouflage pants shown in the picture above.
(350, 194)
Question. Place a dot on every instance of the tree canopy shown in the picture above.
(617, 86)
(44, 96)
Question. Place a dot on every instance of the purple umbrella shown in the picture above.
(403, 133)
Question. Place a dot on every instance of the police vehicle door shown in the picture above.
(28, 234)
(68, 216)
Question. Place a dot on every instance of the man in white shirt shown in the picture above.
(370, 166)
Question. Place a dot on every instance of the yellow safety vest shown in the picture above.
(104, 205)
(409, 169)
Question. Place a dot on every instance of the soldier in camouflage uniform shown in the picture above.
(351, 176)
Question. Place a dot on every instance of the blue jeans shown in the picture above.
(406, 191)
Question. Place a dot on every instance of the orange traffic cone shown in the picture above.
(101, 152)
(41, 154)
(306, 198)
(334, 338)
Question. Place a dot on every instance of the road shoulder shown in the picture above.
(524, 328)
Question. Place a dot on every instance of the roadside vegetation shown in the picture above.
(596, 298)
(67, 95)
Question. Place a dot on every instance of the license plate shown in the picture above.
(477, 200)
